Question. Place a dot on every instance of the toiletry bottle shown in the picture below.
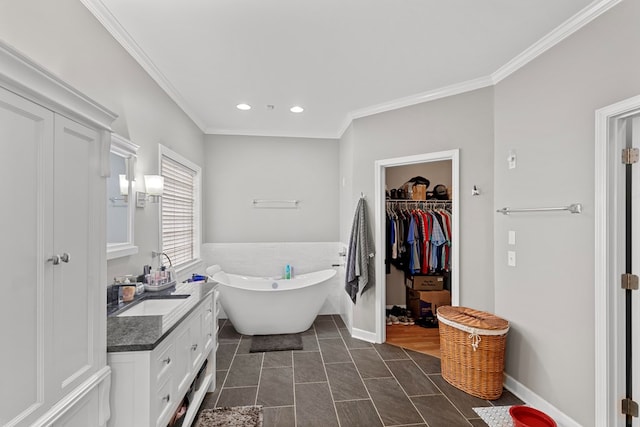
(287, 272)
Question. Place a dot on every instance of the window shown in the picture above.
(180, 208)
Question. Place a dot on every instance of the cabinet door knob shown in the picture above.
(194, 347)
(167, 360)
(65, 257)
(54, 259)
(167, 398)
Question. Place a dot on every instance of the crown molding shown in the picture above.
(570, 26)
(419, 98)
(276, 134)
(25, 77)
(113, 26)
(567, 28)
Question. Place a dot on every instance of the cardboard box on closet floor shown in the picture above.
(426, 283)
(424, 303)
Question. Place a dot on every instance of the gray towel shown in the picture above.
(360, 253)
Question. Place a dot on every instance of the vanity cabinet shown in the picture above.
(148, 386)
(53, 361)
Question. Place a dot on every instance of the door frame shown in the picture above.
(609, 259)
(379, 207)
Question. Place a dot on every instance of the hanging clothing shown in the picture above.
(413, 239)
(360, 253)
(418, 241)
(437, 239)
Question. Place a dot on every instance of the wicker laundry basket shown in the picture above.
(472, 347)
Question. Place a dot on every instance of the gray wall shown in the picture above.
(545, 112)
(463, 121)
(64, 37)
(242, 168)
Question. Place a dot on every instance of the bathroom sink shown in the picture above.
(153, 307)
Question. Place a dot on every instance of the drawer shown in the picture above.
(208, 308)
(164, 403)
(164, 362)
(216, 298)
(209, 329)
(208, 341)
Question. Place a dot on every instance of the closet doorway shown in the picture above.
(392, 287)
(617, 244)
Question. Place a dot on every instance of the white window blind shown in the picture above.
(178, 215)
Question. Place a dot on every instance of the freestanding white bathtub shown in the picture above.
(269, 306)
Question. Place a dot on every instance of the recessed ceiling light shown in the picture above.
(296, 109)
(243, 107)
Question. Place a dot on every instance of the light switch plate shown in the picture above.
(512, 237)
(511, 258)
(141, 199)
(511, 159)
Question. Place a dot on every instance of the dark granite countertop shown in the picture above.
(144, 333)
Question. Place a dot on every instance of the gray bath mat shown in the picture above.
(236, 416)
(260, 343)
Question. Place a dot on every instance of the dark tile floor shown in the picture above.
(337, 380)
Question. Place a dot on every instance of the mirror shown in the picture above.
(120, 202)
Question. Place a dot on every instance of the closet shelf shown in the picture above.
(418, 201)
(409, 202)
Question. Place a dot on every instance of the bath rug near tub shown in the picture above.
(260, 343)
(236, 416)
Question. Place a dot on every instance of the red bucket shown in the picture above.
(524, 416)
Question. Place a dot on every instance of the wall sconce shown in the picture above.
(124, 185)
(154, 185)
(124, 190)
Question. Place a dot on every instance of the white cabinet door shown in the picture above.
(197, 340)
(207, 327)
(26, 143)
(77, 232)
(183, 358)
(50, 251)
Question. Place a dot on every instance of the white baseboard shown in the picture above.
(346, 311)
(67, 403)
(534, 400)
(363, 335)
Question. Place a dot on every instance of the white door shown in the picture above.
(76, 231)
(26, 144)
(379, 209)
(633, 140)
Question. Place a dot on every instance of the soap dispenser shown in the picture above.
(288, 272)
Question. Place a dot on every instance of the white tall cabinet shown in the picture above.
(54, 145)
